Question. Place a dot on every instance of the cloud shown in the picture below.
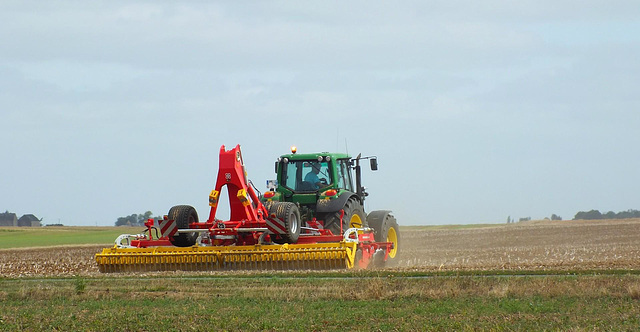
(474, 107)
(165, 36)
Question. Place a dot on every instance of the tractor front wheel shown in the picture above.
(183, 216)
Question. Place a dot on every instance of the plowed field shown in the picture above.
(562, 245)
(536, 245)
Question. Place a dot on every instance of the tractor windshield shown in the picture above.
(307, 175)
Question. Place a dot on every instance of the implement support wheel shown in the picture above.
(183, 215)
(289, 213)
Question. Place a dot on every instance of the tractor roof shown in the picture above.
(314, 156)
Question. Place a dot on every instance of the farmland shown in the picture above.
(537, 246)
(24, 237)
(319, 302)
(539, 275)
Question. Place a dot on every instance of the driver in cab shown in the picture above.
(312, 177)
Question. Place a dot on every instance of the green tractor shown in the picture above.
(327, 195)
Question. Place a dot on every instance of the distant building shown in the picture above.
(29, 220)
(8, 219)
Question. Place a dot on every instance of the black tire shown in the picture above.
(354, 216)
(183, 215)
(267, 204)
(290, 214)
(386, 229)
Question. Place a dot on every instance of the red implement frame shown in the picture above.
(246, 209)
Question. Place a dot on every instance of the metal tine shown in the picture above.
(320, 258)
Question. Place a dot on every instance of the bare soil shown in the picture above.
(535, 245)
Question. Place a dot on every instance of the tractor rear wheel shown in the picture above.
(183, 216)
(354, 216)
(386, 230)
(290, 214)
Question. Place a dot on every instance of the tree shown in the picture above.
(627, 214)
(135, 219)
(144, 217)
(555, 217)
(131, 220)
(595, 214)
(590, 215)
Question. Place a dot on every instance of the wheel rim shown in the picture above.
(294, 223)
(392, 237)
(355, 221)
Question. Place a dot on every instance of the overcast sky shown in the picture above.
(477, 110)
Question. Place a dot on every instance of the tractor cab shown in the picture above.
(313, 173)
(307, 176)
(320, 183)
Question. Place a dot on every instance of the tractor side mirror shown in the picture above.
(374, 164)
(276, 168)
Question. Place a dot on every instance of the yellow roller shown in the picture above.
(317, 256)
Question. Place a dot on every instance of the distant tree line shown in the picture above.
(595, 215)
(510, 220)
(135, 219)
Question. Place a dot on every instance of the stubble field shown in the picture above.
(536, 245)
(570, 275)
